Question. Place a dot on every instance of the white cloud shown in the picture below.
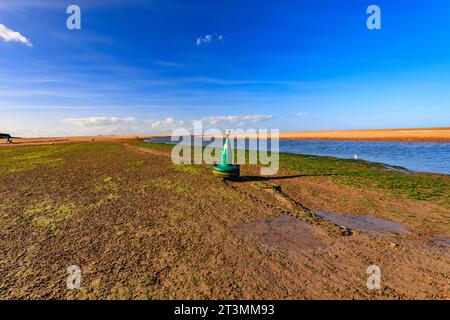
(208, 38)
(98, 121)
(167, 125)
(26, 132)
(108, 125)
(242, 119)
(302, 114)
(10, 35)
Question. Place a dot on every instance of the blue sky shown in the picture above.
(151, 66)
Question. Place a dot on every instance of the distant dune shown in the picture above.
(421, 134)
(441, 134)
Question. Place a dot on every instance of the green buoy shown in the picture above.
(226, 169)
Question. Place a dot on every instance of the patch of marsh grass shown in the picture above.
(47, 215)
(25, 159)
(107, 184)
(186, 168)
(360, 174)
(109, 198)
(363, 174)
(166, 184)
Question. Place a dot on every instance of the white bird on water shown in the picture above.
(355, 156)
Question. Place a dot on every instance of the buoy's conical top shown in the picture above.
(227, 153)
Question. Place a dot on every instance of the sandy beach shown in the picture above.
(441, 134)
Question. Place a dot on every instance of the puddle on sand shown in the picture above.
(282, 232)
(440, 240)
(367, 224)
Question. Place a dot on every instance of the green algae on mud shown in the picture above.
(107, 184)
(109, 198)
(171, 185)
(360, 174)
(174, 241)
(187, 168)
(28, 158)
(363, 174)
(47, 215)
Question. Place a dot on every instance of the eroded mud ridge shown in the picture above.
(140, 227)
(368, 224)
(295, 208)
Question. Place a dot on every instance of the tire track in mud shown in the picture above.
(146, 150)
(299, 210)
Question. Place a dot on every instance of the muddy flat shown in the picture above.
(139, 227)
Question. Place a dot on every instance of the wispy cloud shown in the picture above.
(8, 5)
(208, 38)
(98, 121)
(302, 114)
(169, 64)
(215, 120)
(9, 35)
